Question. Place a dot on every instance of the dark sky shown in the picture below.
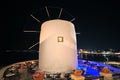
(98, 21)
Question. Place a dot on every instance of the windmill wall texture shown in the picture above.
(58, 49)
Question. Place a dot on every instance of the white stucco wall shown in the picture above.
(55, 56)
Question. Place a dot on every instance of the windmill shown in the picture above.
(58, 46)
(58, 16)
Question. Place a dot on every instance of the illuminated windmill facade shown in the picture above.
(58, 50)
(58, 46)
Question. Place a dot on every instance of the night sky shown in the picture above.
(97, 21)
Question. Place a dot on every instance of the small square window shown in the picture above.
(60, 39)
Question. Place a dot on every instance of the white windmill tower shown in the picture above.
(58, 45)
